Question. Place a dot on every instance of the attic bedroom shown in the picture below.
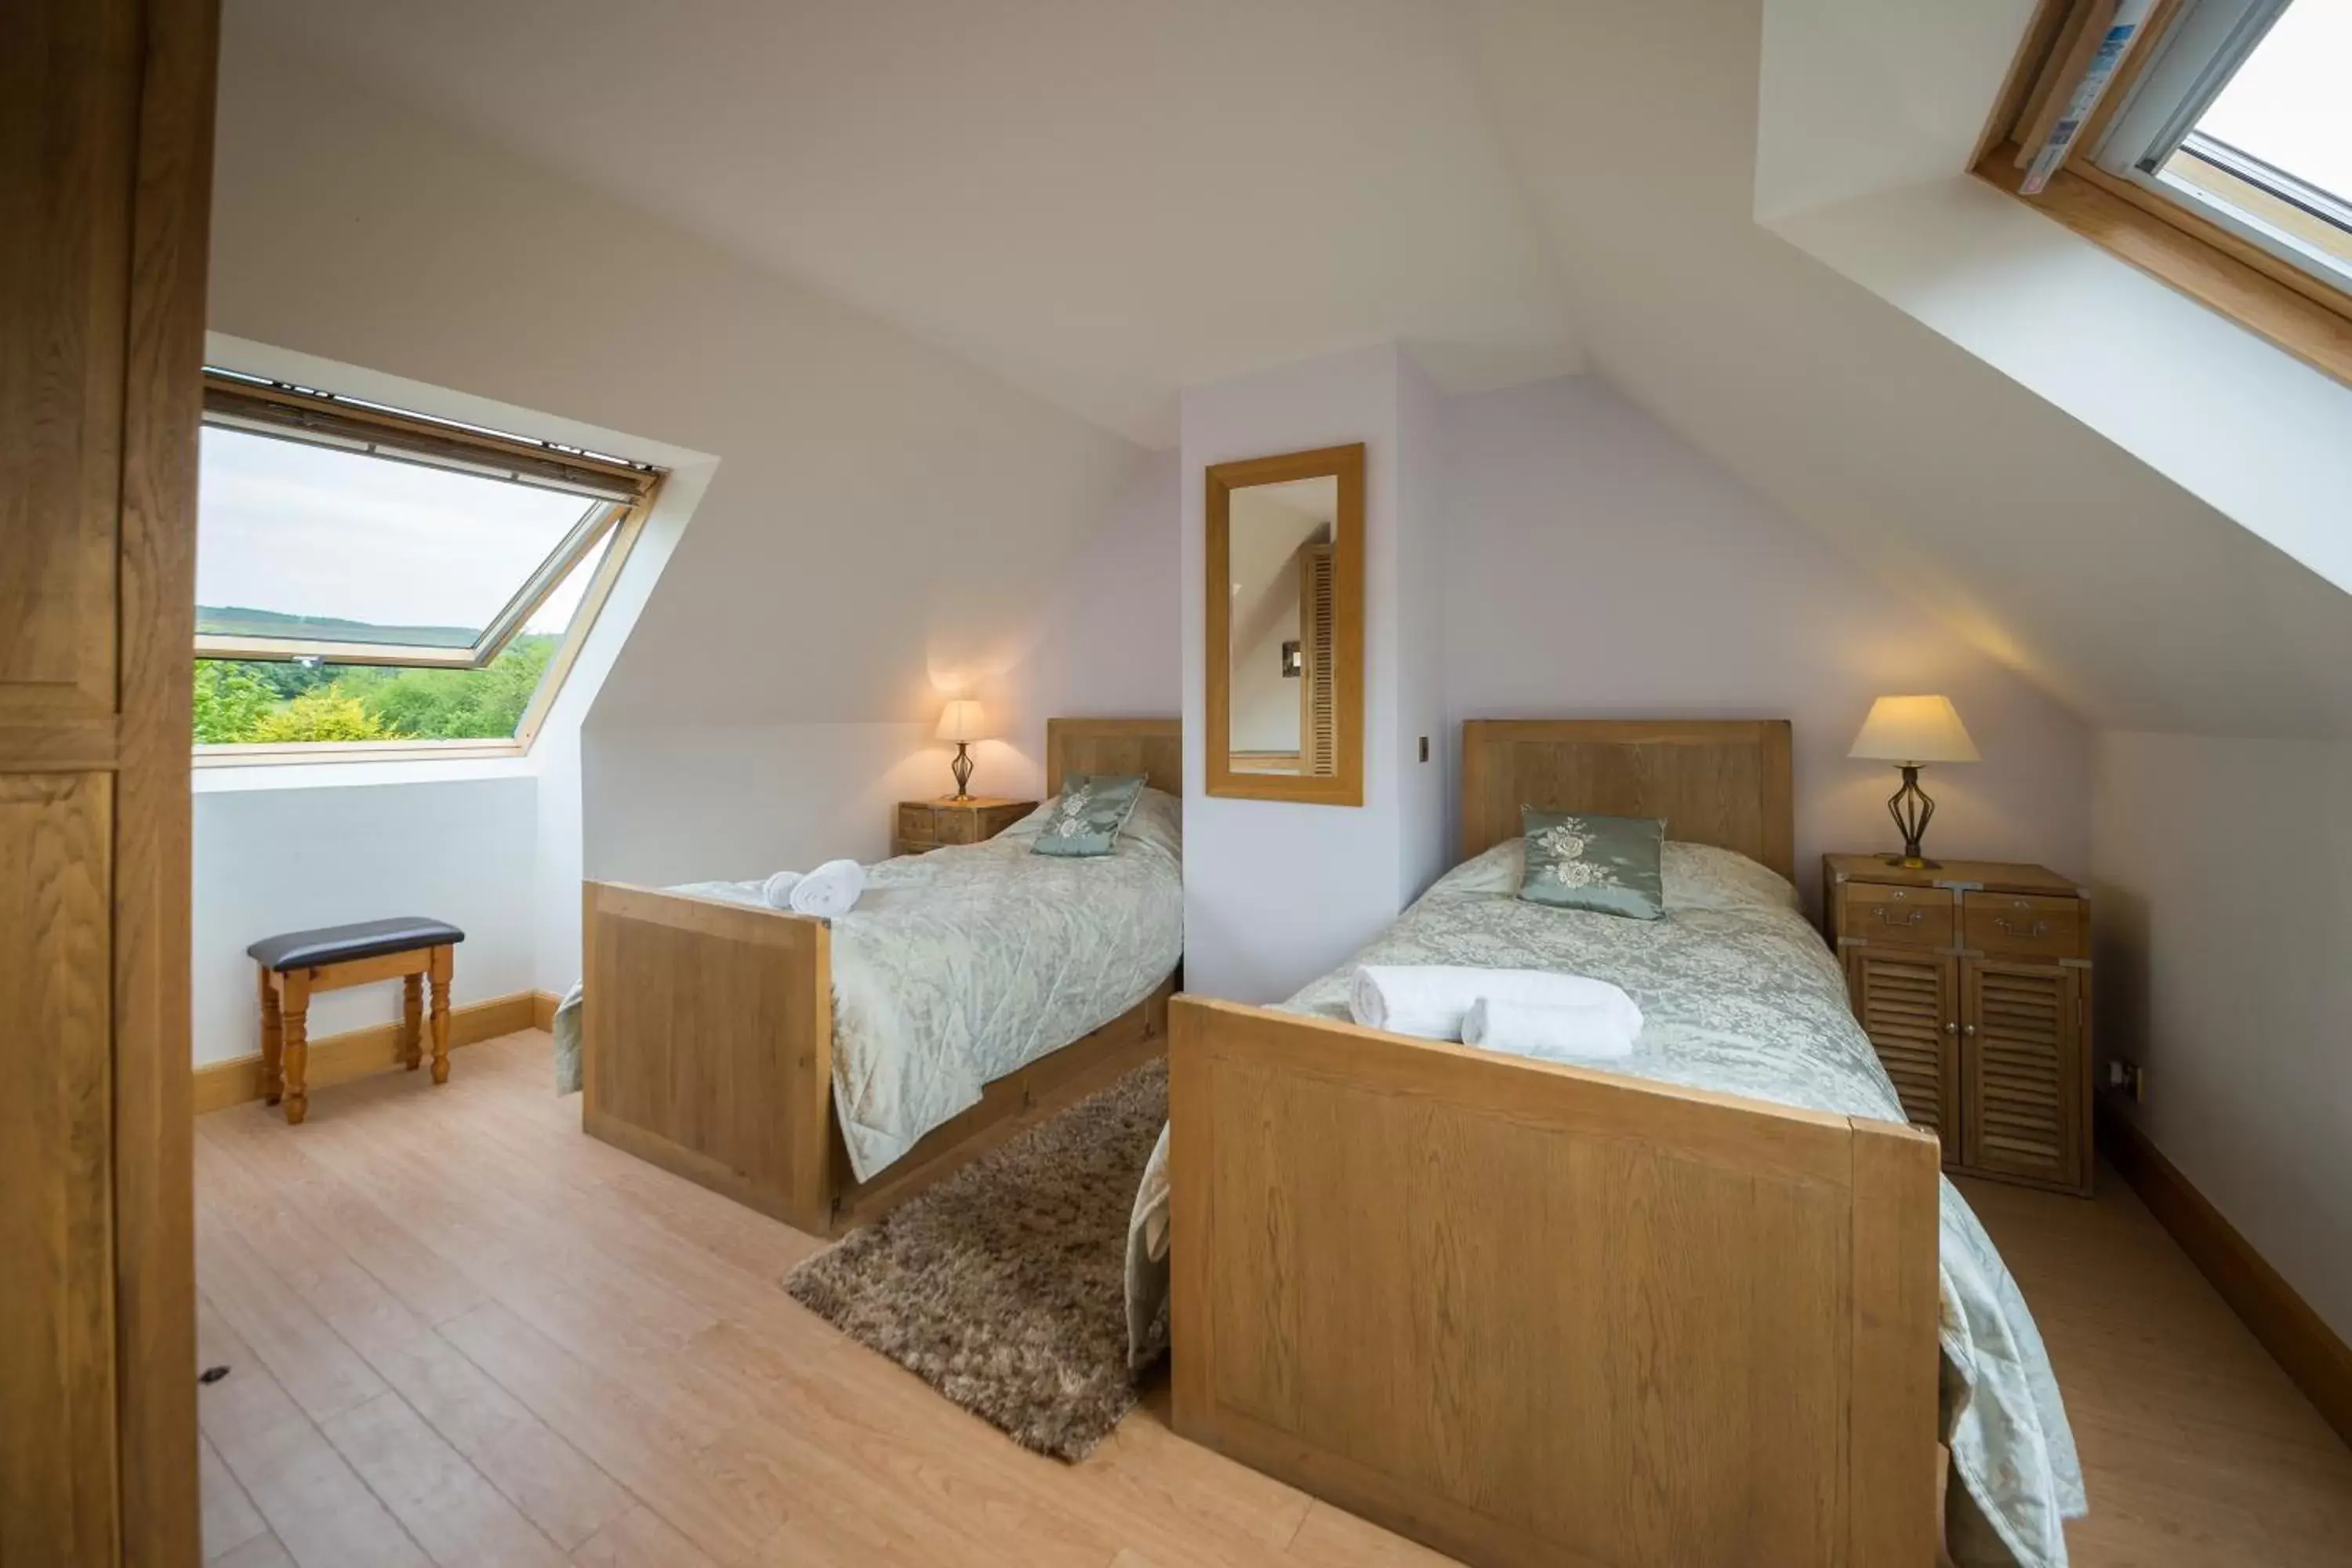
(1329, 782)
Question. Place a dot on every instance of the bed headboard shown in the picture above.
(1152, 747)
(1721, 781)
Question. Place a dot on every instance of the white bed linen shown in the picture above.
(960, 966)
(1740, 995)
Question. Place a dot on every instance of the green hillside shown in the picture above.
(236, 620)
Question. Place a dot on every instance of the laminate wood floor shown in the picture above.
(461, 1334)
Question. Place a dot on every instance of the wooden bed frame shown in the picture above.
(707, 1036)
(1528, 1313)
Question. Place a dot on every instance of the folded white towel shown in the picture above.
(1595, 1032)
(831, 889)
(1430, 1000)
(776, 892)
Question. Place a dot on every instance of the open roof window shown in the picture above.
(365, 574)
(2244, 116)
(2208, 142)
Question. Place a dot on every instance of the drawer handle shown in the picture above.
(1914, 917)
(2039, 928)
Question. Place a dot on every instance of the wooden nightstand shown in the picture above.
(1973, 981)
(923, 826)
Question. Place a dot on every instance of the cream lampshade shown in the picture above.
(1911, 731)
(963, 722)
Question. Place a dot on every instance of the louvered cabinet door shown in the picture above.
(1909, 1006)
(2021, 1071)
(1318, 707)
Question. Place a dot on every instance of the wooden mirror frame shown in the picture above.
(1345, 786)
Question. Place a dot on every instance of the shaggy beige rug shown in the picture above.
(1004, 1286)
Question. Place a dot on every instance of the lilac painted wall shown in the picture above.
(1108, 644)
(1277, 892)
(1580, 561)
(1598, 565)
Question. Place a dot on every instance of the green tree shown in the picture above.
(265, 702)
(324, 713)
(463, 704)
(230, 700)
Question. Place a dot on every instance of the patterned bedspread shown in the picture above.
(967, 963)
(1740, 995)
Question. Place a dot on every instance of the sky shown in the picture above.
(2291, 103)
(308, 531)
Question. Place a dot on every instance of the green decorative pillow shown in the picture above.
(1085, 818)
(1609, 864)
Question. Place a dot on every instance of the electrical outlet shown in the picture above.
(1425, 748)
(2128, 1077)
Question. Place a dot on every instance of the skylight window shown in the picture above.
(2246, 119)
(366, 575)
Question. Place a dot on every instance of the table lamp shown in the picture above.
(1910, 733)
(963, 722)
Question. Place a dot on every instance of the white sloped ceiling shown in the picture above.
(1102, 200)
(2046, 544)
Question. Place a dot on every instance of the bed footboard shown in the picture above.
(706, 1046)
(1526, 1313)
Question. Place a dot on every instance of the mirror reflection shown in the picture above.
(1283, 715)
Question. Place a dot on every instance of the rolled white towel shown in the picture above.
(1595, 1032)
(776, 892)
(1430, 1000)
(831, 889)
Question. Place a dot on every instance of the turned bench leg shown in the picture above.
(273, 1042)
(294, 1009)
(440, 973)
(412, 1020)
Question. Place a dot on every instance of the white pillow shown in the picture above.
(1696, 877)
(1703, 877)
(1158, 819)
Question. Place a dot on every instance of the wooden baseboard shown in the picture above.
(2298, 1338)
(359, 1052)
(543, 1004)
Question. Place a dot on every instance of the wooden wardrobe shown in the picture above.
(105, 117)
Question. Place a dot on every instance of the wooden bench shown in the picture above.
(293, 966)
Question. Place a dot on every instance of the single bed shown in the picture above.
(822, 1073)
(1688, 1310)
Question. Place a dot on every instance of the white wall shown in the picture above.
(878, 522)
(1424, 569)
(703, 802)
(1106, 643)
(1265, 701)
(270, 858)
(1599, 565)
(1275, 892)
(2223, 870)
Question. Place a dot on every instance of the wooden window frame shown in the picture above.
(629, 491)
(2292, 309)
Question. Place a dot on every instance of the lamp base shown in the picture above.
(1912, 811)
(961, 767)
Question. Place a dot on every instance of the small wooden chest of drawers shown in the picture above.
(1972, 980)
(920, 827)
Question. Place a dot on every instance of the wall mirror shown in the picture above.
(1285, 621)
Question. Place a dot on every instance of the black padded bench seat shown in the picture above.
(408, 948)
(340, 944)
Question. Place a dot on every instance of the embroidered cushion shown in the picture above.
(1085, 818)
(1609, 865)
